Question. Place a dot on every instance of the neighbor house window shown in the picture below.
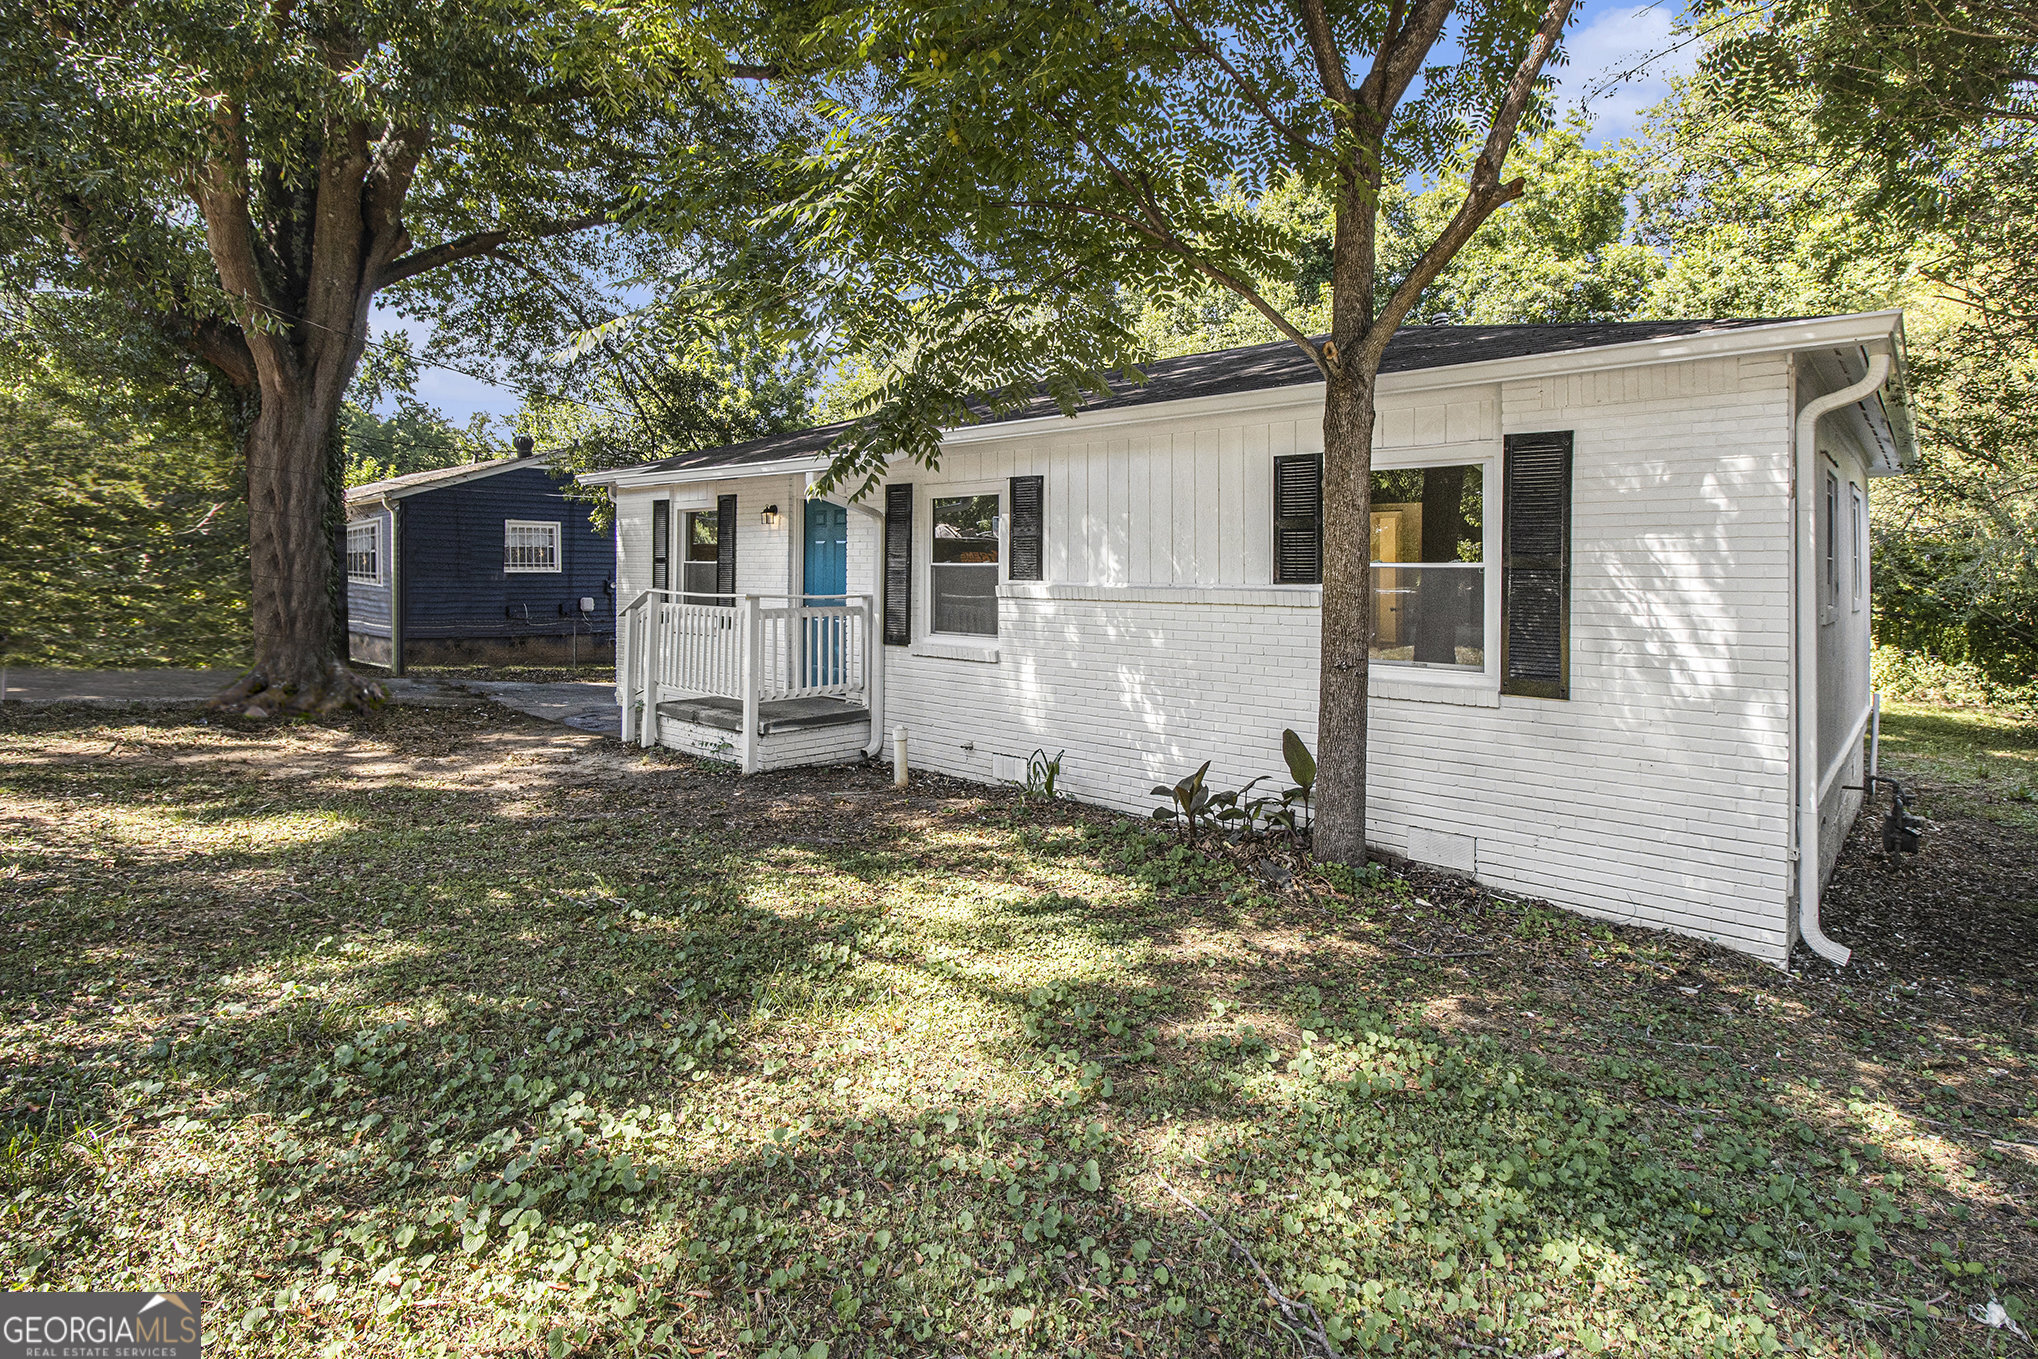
(1860, 526)
(965, 565)
(528, 545)
(1429, 567)
(364, 552)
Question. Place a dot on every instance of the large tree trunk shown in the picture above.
(1347, 626)
(299, 666)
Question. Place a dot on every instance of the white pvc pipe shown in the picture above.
(1804, 711)
(1874, 740)
(898, 757)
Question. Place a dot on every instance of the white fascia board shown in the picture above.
(384, 492)
(636, 479)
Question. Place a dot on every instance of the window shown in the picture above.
(701, 557)
(529, 546)
(364, 552)
(1429, 567)
(965, 565)
(1829, 526)
(1860, 525)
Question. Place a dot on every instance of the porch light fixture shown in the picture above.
(770, 516)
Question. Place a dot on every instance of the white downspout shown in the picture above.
(875, 625)
(1805, 709)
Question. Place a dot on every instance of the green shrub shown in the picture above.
(1918, 677)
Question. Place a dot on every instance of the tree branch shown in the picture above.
(1330, 62)
(230, 240)
(1401, 54)
(1251, 93)
(1161, 231)
(1483, 192)
(481, 243)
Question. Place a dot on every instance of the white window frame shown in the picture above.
(552, 526)
(1859, 501)
(1489, 462)
(960, 490)
(374, 527)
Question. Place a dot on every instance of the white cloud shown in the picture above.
(1605, 52)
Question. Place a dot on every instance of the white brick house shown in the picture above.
(1609, 653)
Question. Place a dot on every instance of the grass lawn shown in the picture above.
(444, 1032)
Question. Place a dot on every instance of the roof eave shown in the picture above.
(394, 489)
(1780, 337)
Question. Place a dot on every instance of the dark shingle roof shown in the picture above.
(1258, 368)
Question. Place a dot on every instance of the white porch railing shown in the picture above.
(752, 648)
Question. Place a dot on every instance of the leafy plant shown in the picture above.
(1189, 801)
(1042, 773)
(1302, 769)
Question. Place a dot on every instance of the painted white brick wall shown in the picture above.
(1657, 795)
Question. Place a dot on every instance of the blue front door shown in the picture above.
(827, 580)
(827, 570)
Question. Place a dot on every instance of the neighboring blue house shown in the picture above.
(487, 562)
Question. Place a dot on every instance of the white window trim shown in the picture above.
(1859, 528)
(948, 645)
(374, 526)
(558, 547)
(1405, 675)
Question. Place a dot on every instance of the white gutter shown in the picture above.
(1805, 709)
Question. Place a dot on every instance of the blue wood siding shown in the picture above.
(368, 605)
(454, 585)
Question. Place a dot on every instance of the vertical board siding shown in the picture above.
(454, 585)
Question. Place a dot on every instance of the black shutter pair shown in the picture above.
(1535, 611)
(1535, 607)
(1025, 539)
(725, 545)
(661, 544)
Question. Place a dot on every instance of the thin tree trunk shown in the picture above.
(1347, 626)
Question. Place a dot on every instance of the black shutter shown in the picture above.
(1298, 520)
(1029, 509)
(725, 545)
(661, 544)
(898, 565)
(1535, 624)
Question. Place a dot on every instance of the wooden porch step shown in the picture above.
(789, 714)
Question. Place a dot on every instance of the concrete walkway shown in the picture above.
(584, 705)
(176, 688)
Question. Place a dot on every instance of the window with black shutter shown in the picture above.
(1535, 625)
(725, 545)
(1298, 520)
(898, 565)
(661, 544)
(1029, 510)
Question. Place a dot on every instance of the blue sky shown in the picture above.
(1608, 38)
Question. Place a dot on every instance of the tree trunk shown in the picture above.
(1347, 625)
(299, 665)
